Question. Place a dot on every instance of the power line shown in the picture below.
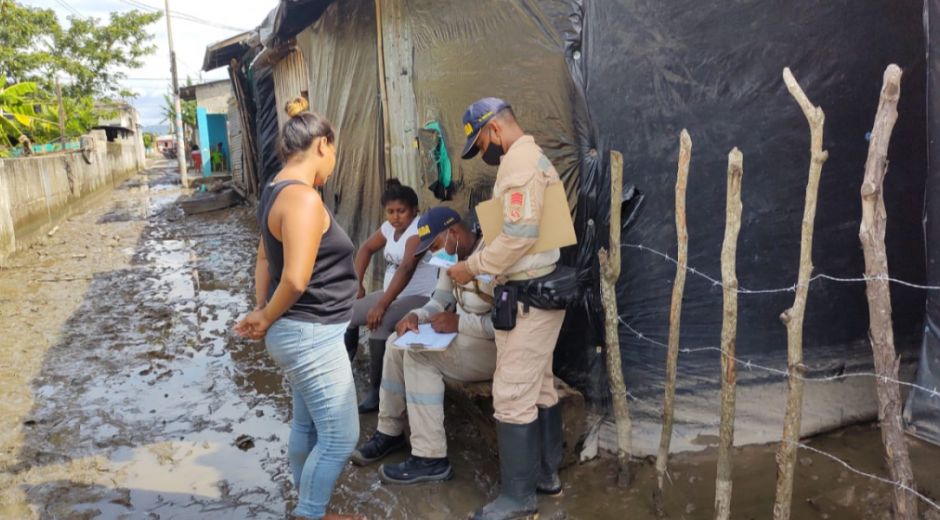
(182, 16)
(68, 7)
(146, 79)
(175, 14)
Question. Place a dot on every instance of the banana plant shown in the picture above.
(18, 111)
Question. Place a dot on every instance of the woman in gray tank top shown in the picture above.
(305, 285)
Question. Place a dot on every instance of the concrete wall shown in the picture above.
(214, 97)
(37, 192)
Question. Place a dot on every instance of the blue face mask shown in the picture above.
(441, 258)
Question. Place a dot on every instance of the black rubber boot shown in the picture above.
(376, 355)
(351, 339)
(519, 467)
(377, 447)
(552, 450)
(416, 469)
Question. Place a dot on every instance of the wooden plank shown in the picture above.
(204, 202)
(401, 110)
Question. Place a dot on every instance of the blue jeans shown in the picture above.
(325, 424)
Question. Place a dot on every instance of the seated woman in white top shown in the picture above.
(409, 281)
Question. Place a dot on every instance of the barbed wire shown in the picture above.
(786, 373)
(932, 392)
(789, 289)
(846, 465)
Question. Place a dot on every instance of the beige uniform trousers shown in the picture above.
(413, 381)
(524, 380)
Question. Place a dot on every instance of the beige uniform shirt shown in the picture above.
(523, 175)
(473, 302)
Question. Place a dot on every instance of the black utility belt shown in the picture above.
(554, 291)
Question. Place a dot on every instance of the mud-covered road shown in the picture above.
(125, 395)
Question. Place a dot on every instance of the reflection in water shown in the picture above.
(146, 405)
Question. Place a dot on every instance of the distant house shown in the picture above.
(252, 121)
(164, 143)
(121, 123)
(212, 106)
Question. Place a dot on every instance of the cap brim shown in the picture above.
(470, 149)
(423, 246)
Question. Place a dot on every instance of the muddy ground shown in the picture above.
(124, 395)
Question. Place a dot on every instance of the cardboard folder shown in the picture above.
(556, 229)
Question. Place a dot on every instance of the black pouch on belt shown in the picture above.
(505, 307)
(554, 291)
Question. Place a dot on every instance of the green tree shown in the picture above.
(90, 53)
(188, 109)
(26, 41)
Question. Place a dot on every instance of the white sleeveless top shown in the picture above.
(425, 276)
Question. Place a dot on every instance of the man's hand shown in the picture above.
(460, 273)
(361, 293)
(374, 318)
(445, 322)
(408, 323)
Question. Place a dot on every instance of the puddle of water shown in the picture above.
(147, 375)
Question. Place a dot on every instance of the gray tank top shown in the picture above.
(331, 291)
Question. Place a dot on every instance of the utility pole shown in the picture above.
(180, 145)
(58, 93)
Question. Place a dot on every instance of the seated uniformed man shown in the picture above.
(413, 381)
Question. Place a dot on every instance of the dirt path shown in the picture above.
(126, 396)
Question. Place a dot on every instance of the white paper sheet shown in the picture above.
(425, 339)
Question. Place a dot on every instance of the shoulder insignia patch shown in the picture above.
(516, 205)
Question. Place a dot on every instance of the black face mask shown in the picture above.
(492, 154)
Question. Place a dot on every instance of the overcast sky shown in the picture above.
(151, 81)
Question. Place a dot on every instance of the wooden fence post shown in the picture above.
(792, 318)
(675, 313)
(872, 235)
(610, 272)
(729, 332)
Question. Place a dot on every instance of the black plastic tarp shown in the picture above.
(923, 407)
(652, 68)
(267, 132)
(293, 16)
(590, 76)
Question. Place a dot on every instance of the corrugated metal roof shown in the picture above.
(219, 54)
(290, 80)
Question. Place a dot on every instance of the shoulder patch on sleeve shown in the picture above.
(515, 203)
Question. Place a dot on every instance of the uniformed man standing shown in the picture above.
(524, 397)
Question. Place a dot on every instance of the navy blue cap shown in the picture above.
(475, 118)
(432, 223)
